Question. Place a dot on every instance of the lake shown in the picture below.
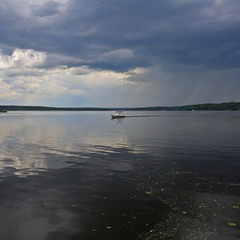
(153, 175)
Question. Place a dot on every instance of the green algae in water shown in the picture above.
(148, 193)
(231, 224)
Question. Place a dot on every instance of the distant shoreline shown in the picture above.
(233, 106)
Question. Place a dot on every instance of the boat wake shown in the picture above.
(152, 115)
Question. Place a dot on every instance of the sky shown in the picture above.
(119, 53)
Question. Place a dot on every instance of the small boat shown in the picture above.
(118, 114)
(3, 111)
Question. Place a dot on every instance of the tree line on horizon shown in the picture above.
(233, 106)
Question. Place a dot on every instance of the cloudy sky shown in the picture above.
(112, 53)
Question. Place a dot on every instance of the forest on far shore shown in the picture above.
(196, 107)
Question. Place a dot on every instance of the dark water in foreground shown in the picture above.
(81, 175)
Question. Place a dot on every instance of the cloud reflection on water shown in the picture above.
(34, 142)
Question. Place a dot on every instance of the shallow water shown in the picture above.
(81, 175)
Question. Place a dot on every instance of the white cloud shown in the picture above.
(25, 79)
(6, 91)
(25, 58)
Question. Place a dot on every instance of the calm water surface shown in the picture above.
(81, 175)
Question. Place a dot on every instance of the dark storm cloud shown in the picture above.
(155, 31)
(188, 32)
(47, 9)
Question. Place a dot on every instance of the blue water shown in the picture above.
(152, 175)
